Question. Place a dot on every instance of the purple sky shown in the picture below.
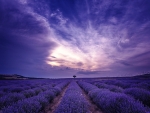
(88, 38)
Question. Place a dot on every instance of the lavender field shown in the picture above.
(74, 56)
(97, 95)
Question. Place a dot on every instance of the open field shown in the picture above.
(96, 95)
(74, 56)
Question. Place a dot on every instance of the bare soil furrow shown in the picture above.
(92, 106)
(56, 101)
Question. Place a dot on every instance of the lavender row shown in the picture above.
(20, 87)
(4, 90)
(73, 101)
(111, 102)
(129, 83)
(26, 90)
(10, 98)
(37, 103)
(16, 89)
(137, 93)
(110, 87)
(24, 82)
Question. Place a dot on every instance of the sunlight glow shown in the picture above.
(89, 57)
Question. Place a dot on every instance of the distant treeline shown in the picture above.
(14, 77)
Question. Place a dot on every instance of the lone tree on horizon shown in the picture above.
(74, 76)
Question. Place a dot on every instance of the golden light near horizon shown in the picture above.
(63, 56)
(66, 55)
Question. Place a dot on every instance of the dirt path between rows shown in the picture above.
(56, 101)
(92, 107)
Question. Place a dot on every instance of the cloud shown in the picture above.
(100, 47)
(85, 46)
(99, 36)
(89, 43)
(88, 72)
(24, 38)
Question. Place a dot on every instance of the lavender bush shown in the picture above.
(25, 106)
(73, 101)
(17, 89)
(28, 93)
(36, 103)
(5, 89)
(139, 94)
(110, 87)
(10, 98)
(26, 87)
(118, 83)
(2, 93)
(141, 85)
(111, 102)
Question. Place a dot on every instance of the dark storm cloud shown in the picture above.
(134, 65)
(23, 43)
(141, 59)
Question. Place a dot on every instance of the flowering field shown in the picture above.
(127, 95)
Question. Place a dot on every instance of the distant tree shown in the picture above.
(74, 76)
